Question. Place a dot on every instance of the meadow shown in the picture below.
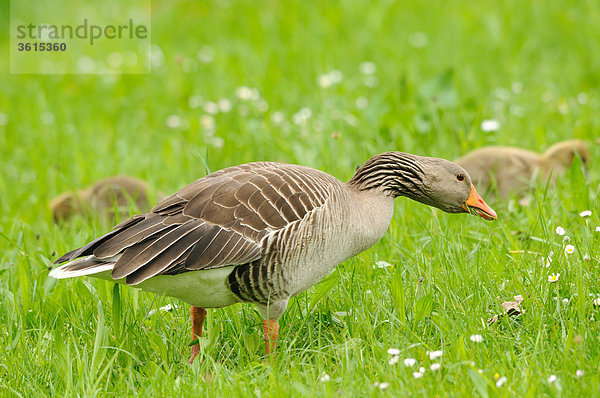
(325, 85)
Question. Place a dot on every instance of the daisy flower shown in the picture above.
(501, 381)
(435, 354)
(325, 377)
(410, 362)
(435, 366)
(489, 125)
(553, 278)
(560, 231)
(417, 375)
(393, 351)
(476, 338)
(394, 360)
(579, 373)
(569, 249)
(384, 385)
(551, 379)
(585, 213)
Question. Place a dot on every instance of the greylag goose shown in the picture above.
(106, 197)
(515, 169)
(263, 232)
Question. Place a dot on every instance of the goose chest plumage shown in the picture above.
(263, 232)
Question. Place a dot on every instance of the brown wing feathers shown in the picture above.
(218, 220)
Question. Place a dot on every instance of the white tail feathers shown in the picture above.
(89, 265)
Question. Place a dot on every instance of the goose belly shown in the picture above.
(204, 288)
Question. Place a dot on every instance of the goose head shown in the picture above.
(431, 181)
(563, 153)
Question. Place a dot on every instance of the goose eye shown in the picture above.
(460, 177)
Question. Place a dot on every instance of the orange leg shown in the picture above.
(197, 314)
(271, 331)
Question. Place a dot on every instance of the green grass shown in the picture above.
(522, 63)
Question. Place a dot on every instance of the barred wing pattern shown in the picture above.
(221, 219)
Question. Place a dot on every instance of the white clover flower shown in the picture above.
(277, 117)
(302, 116)
(410, 362)
(569, 249)
(211, 107)
(435, 354)
(553, 278)
(207, 122)
(585, 213)
(579, 373)
(325, 377)
(551, 379)
(393, 351)
(476, 338)
(560, 231)
(173, 122)
(489, 125)
(417, 375)
(224, 105)
(501, 381)
(324, 81)
(244, 93)
(384, 386)
(435, 366)
(394, 360)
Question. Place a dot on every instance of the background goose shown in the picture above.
(106, 197)
(263, 232)
(515, 169)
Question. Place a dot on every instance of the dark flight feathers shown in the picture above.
(218, 220)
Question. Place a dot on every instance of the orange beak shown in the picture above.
(476, 205)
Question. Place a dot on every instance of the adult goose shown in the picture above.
(511, 169)
(263, 232)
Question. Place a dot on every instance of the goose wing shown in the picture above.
(216, 221)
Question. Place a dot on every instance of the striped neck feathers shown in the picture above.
(396, 173)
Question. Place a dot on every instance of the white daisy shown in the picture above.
(325, 377)
(384, 385)
(435, 354)
(569, 249)
(435, 366)
(476, 338)
(489, 125)
(553, 278)
(501, 381)
(551, 379)
(579, 373)
(393, 351)
(560, 231)
(585, 213)
(394, 360)
(410, 362)
(417, 375)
